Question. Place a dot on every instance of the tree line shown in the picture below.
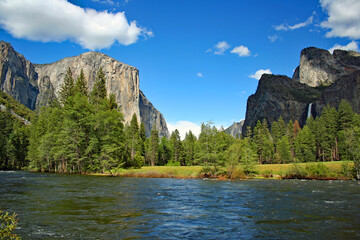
(85, 132)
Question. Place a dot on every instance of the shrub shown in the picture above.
(318, 170)
(347, 170)
(296, 171)
(173, 163)
(267, 173)
(8, 225)
(237, 172)
(220, 173)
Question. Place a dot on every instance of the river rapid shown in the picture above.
(56, 206)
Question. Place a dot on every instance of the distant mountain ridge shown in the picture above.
(235, 129)
(321, 79)
(35, 85)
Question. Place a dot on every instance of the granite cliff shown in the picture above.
(321, 79)
(35, 85)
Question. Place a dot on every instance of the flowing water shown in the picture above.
(55, 206)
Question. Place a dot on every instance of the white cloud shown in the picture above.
(59, 20)
(241, 51)
(286, 27)
(273, 38)
(259, 73)
(221, 47)
(351, 46)
(344, 18)
(183, 127)
(109, 2)
(200, 75)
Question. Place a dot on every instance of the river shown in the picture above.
(56, 206)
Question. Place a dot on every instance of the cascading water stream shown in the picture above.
(309, 110)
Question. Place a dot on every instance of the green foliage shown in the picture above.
(68, 87)
(283, 150)
(317, 170)
(99, 90)
(242, 153)
(81, 85)
(14, 142)
(154, 146)
(133, 141)
(79, 136)
(305, 145)
(8, 224)
(165, 153)
(263, 142)
(347, 170)
(296, 172)
(176, 147)
(352, 142)
(190, 148)
(173, 163)
(12, 105)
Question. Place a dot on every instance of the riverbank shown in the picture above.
(340, 170)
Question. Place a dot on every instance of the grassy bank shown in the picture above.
(323, 170)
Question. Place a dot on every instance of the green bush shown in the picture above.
(173, 163)
(220, 173)
(267, 173)
(296, 171)
(347, 170)
(8, 225)
(318, 170)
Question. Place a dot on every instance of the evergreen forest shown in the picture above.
(85, 132)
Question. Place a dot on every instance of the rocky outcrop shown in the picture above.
(235, 129)
(21, 119)
(35, 85)
(276, 96)
(321, 79)
(122, 80)
(17, 76)
(150, 116)
(318, 67)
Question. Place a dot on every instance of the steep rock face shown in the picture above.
(17, 76)
(276, 96)
(122, 80)
(321, 79)
(318, 67)
(35, 85)
(235, 129)
(150, 116)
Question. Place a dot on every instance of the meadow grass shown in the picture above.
(334, 170)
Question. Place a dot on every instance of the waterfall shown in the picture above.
(309, 110)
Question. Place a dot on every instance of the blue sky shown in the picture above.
(197, 59)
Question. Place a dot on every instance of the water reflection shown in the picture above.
(54, 206)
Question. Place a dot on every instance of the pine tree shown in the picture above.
(80, 85)
(67, 88)
(154, 145)
(175, 143)
(263, 142)
(143, 138)
(99, 91)
(134, 137)
(305, 145)
(164, 151)
(346, 114)
(347, 119)
(283, 150)
(189, 148)
(278, 130)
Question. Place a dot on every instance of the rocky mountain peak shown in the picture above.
(321, 79)
(35, 85)
(318, 67)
